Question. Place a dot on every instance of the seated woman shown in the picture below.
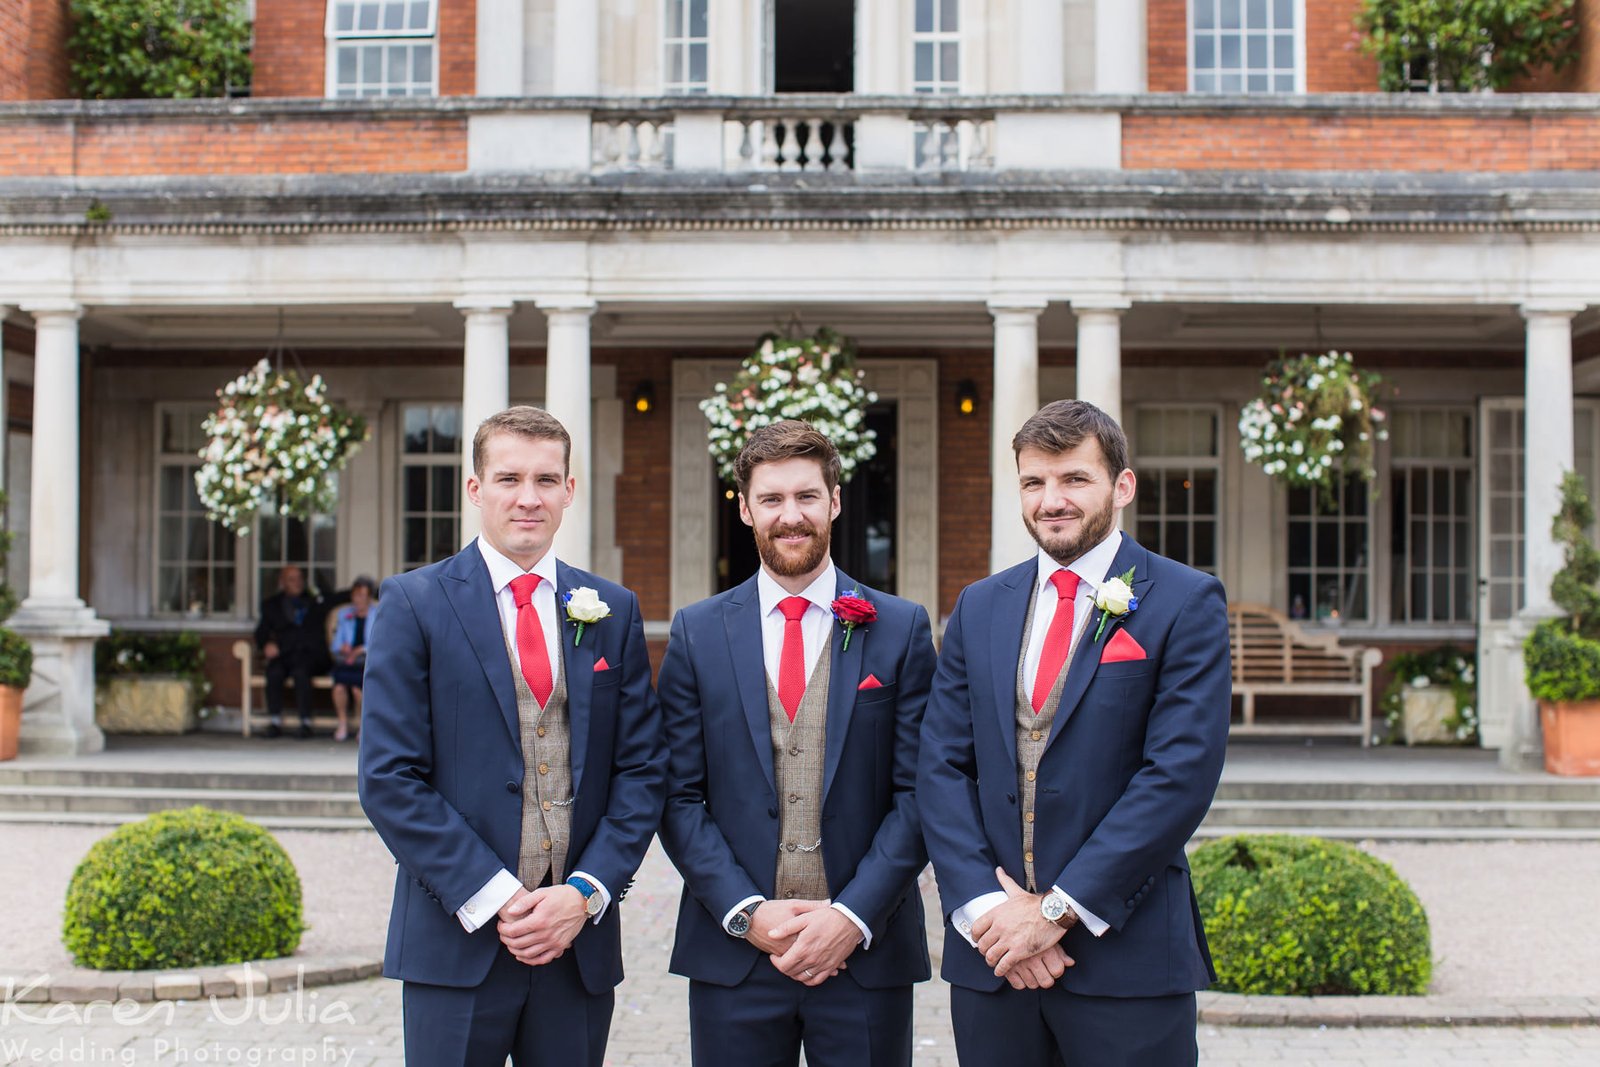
(349, 650)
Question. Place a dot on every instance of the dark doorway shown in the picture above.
(814, 46)
(864, 535)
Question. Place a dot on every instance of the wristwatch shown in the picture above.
(1055, 909)
(739, 921)
(592, 901)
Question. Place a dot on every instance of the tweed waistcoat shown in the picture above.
(1033, 733)
(797, 763)
(546, 779)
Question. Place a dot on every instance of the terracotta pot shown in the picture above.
(1571, 737)
(10, 720)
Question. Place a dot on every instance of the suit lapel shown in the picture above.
(577, 662)
(1086, 657)
(741, 617)
(1007, 620)
(844, 673)
(467, 587)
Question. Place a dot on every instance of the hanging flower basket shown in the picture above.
(813, 379)
(275, 439)
(1315, 421)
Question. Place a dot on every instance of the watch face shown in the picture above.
(593, 904)
(739, 925)
(1054, 907)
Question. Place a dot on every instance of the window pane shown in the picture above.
(674, 18)
(697, 64)
(1205, 546)
(422, 67)
(368, 19)
(1284, 83)
(675, 66)
(169, 590)
(445, 494)
(416, 541)
(446, 430)
(1205, 83)
(174, 486)
(698, 26)
(1205, 52)
(444, 538)
(297, 541)
(1283, 14)
(924, 61)
(1177, 493)
(950, 15)
(1256, 51)
(1283, 51)
(1205, 14)
(1230, 14)
(325, 538)
(1148, 494)
(399, 65)
(1230, 53)
(416, 430)
(419, 15)
(924, 16)
(1256, 14)
(344, 18)
(949, 62)
(394, 17)
(1256, 83)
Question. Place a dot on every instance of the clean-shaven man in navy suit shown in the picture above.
(1072, 745)
(792, 706)
(511, 759)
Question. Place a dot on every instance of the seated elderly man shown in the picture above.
(293, 642)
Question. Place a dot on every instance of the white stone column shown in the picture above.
(1100, 354)
(1119, 46)
(1016, 398)
(577, 48)
(1041, 46)
(569, 396)
(1547, 446)
(58, 709)
(500, 42)
(485, 385)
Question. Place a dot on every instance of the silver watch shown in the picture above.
(1056, 909)
(739, 921)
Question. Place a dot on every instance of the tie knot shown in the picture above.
(522, 587)
(793, 607)
(1066, 583)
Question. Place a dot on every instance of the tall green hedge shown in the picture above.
(184, 888)
(1304, 915)
(160, 49)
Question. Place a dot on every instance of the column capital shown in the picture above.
(53, 309)
(485, 305)
(1104, 304)
(1031, 306)
(567, 305)
(1551, 309)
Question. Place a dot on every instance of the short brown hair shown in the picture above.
(534, 423)
(788, 439)
(1062, 425)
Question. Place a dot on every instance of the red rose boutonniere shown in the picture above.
(852, 610)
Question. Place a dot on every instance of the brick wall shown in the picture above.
(644, 497)
(33, 50)
(458, 47)
(13, 51)
(291, 48)
(1334, 60)
(1356, 141)
(1167, 45)
(291, 145)
(1581, 76)
(963, 474)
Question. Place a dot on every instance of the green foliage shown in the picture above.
(1305, 916)
(159, 49)
(124, 653)
(16, 659)
(8, 596)
(185, 888)
(1443, 666)
(1465, 45)
(1562, 656)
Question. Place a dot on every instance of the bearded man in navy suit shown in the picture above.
(511, 760)
(1072, 745)
(792, 706)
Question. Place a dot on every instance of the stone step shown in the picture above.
(1209, 832)
(137, 801)
(1416, 814)
(1533, 789)
(115, 818)
(13, 775)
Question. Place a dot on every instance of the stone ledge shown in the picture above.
(255, 978)
(1234, 1009)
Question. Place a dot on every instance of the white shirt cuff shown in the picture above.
(486, 903)
(1091, 922)
(866, 935)
(599, 887)
(973, 910)
(743, 904)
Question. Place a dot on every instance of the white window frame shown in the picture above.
(678, 39)
(162, 460)
(1193, 461)
(336, 38)
(429, 460)
(1398, 464)
(1367, 571)
(936, 37)
(1299, 50)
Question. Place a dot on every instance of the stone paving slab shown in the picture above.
(226, 980)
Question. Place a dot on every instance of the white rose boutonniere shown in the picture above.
(1115, 597)
(584, 606)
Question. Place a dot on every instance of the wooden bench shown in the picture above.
(251, 679)
(1272, 656)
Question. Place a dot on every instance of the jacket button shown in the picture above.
(1011, 798)
(545, 805)
(513, 787)
(772, 813)
(1129, 903)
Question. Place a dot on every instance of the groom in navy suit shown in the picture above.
(792, 706)
(511, 760)
(1072, 745)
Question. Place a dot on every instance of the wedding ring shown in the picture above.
(810, 975)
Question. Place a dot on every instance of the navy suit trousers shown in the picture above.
(1055, 1028)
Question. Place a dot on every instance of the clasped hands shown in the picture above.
(1017, 940)
(539, 926)
(807, 940)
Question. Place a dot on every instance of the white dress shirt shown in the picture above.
(487, 902)
(1091, 569)
(816, 631)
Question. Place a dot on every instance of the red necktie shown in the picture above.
(531, 650)
(1057, 639)
(792, 660)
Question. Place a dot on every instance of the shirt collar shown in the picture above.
(1091, 567)
(820, 592)
(502, 570)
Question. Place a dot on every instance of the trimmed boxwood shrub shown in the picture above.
(1304, 915)
(184, 888)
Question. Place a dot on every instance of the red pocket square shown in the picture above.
(1122, 648)
(601, 665)
(870, 682)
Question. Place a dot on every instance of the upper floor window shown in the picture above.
(686, 40)
(1245, 46)
(936, 47)
(382, 48)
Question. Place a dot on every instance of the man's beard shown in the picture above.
(1064, 548)
(792, 563)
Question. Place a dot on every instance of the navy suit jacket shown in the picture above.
(721, 821)
(441, 762)
(1129, 770)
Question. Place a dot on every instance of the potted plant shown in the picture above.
(1562, 655)
(149, 683)
(16, 671)
(1432, 697)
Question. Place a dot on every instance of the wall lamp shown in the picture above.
(967, 397)
(644, 397)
